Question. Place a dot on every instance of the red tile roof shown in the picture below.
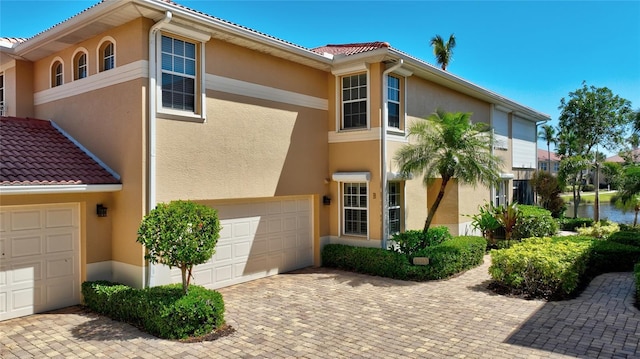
(543, 155)
(34, 152)
(634, 154)
(351, 49)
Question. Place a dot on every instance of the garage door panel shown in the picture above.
(4, 222)
(257, 239)
(59, 217)
(41, 262)
(25, 220)
(63, 242)
(24, 246)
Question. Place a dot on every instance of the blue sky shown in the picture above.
(533, 52)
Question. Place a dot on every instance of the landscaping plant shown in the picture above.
(486, 222)
(180, 234)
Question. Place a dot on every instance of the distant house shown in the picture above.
(624, 156)
(293, 146)
(544, 164)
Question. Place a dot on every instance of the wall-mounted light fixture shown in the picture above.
(326, 200)
(101, 210)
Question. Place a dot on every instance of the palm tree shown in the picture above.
(443, 50)
(450, 146)
(548, 134)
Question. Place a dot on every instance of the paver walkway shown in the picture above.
(321, 313)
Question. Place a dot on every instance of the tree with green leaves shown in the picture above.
(591, 118)
(628, 197)
(448, 145)
(547, 133)
(443, 50)
(548, 189)
(180, 234)
(571, 173)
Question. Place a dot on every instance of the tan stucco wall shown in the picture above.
(131, 45)
(95, 232)
(426, 97)
(18, 88)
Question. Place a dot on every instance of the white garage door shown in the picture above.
(40, 258)
(258, 239)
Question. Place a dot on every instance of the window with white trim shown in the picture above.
(354, 101)
(80, 66)
(56, 74)
(393, 101)
(355, 209)
(395, 207)
(107, 56)
(501, 193)
(179, 74)
(556, 167)
(543, 166)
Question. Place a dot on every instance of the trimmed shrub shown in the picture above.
(534, 221)
(163, 311)
(570, 224)
(446, 259)
(629, 228)
(411, 241)
(607, 256)
(450, 257)
(599, 230)
(541, 267)
(626, 237)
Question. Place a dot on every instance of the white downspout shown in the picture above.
(151, 180)
(383, 150)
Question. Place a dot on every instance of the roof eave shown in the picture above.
(7, 190)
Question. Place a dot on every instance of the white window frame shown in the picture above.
(53, 76)
(543, 165)
(556, 166)
(358, 100)
(398, 102)
(200, 39)
(77, 67)
(501, 194)
(398, 206)
(344, 208)
(100, 54)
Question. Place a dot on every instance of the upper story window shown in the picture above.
(556, 167)
(80, 65)
(354, 101)
(393, 101)
(106, 56)
(179, 74)
(57, 74)
(543, 166)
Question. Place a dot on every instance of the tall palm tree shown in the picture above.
(448, 145)
(548, 134)
(443, 50)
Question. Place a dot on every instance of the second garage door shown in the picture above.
(258, 239)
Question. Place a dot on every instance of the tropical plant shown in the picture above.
(548, 134)
(180, 234)
(486, 222)
(449, 145)
(443, 50)
(628, 198)
(548, 189)
(508, 216)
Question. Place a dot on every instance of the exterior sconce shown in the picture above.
(101, 210)
(326, 200)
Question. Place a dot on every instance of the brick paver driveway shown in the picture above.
(320, 313)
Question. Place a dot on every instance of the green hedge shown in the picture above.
(534, 221)
(570, 224)
(541, 267)
(626, 237)
(446, 259)
(163, 311)
(607, 256)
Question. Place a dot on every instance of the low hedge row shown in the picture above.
(555, 267)
(571, 224)
(534, 221)
(162, 311)
(446, 259)
(626, 237)
(540, 267)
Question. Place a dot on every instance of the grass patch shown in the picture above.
(589, 197)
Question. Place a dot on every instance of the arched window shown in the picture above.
(56, 73)
(80, 65)
(106, 55)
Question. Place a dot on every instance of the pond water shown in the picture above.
(607, 211)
